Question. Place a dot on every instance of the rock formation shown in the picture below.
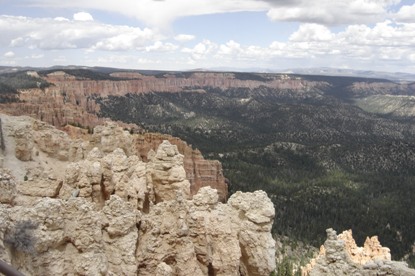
(72, 99)
(35, 140)
(96, 207)
(341, 256)
(210, 238)
(199, 171)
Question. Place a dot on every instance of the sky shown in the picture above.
(245, 35)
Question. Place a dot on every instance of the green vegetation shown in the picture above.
(251, 76)
(6, 89)
(11, 82)
(83, 74)
(323, 161)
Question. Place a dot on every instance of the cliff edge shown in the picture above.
(96, 207)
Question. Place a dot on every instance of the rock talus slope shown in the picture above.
(96, 207)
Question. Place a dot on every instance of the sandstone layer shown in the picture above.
(341, 256)
(96, 207)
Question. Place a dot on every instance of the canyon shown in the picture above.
(92, 205)
(329, 152)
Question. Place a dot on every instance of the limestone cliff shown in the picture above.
(341, 256)
(73, 206)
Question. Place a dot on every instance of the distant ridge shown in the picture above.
(321, 71)
(327, 71)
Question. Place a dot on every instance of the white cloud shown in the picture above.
(47, 33)
(159, 46)
(158, 13)
(201, 50)
(391, 53)
(384, 34)
(390, 35)
(59, 18)
(406, 14)
(162, 13)
(230, 47)
(9, 54)
(357, 44)
(83, 16)
(122, 38)
(331, 12)
(311, 32)
(184, 37)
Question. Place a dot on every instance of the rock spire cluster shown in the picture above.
(96, 207)
(341, 256)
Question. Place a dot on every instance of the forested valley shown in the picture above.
(324, 161)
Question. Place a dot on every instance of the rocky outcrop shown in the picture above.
(50, 105)
(167, 173)
(199, 171)
(177, 237)
(32, 140)
(73, 238)
(95, 207)
(341, 256)
(211, 238)
(138, 83)
(139, 183)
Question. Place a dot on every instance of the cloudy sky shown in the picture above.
(190, 34)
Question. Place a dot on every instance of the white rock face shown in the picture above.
(177, 237)
(254, 214)
(208, 236)
(96, 208)
(167, 173)
(73, 237)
